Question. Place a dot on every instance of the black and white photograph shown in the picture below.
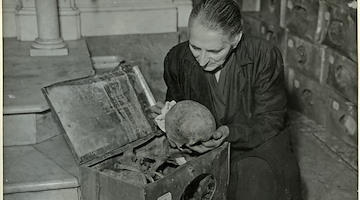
(180, 100)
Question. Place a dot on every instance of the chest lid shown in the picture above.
(102, 115)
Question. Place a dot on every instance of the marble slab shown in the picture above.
(14, 47)
(27, 170)
(46, 126)
(68, 194)
(30, 128)
(19, 129)
(57, 150)
(51, 52)
(24, 76)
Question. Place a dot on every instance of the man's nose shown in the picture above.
(203, 58)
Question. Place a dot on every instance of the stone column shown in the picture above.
(49, 41)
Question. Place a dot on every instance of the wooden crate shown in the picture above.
(121, 153)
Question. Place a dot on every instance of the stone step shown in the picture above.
(29, 128)
(46, 170)
(27, 118)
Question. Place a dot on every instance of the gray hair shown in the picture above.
(218, 15)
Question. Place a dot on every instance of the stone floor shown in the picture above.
(47, 170)
(327, 173)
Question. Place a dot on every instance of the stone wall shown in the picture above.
(98, 17)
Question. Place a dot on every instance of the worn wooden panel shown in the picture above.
(305, 56)
(342, 75)
(99, 114)
(307, 96)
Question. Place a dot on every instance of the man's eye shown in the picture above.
(196, 48)
(214, 51)
(195, 144)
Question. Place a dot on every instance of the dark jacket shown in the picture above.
(255, 106)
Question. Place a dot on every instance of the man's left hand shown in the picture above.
(218, 137)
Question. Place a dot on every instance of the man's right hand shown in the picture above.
(155, 110)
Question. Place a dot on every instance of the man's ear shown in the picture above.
(236, 40)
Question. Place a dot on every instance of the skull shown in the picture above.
(189, 122)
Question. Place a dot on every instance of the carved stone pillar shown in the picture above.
(49, 41)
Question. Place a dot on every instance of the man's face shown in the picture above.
(209, 47)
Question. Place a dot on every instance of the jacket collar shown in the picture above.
(241, 52)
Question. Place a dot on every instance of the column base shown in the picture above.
(48, 43)
(49, 52)
(41, 47)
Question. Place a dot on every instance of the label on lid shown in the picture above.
(100, 113)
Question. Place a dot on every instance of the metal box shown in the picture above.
(341, 75)
(343, 118)
(341, 31)
(307, 96)
(251, 25)
(306, 57)
(323, 105)
(331, 22)
(256, 26)
(270, 10)
(304, 18)
(121, 153)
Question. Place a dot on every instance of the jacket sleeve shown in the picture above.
(172, 77)
(267, 116)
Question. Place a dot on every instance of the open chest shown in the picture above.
(121, 153)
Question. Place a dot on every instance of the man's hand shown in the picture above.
(218, 137)
(155, 110)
